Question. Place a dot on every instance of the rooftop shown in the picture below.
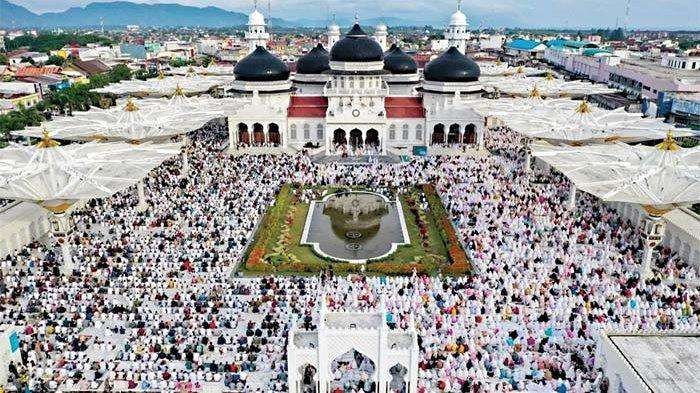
(658, 70)
(665, 363)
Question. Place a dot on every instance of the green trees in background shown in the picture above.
(46, 42)
(75, 98)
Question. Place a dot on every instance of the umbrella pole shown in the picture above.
(142, 206)
(61, 228)
(68, 264)
(572, 197)
(654, 228)
(185, 163)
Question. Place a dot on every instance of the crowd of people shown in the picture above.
(153, 302)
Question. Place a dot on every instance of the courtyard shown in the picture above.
(310, 229)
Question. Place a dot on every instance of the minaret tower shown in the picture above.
(380, 34)
(456, 33)
(333, 33)
(256, 34)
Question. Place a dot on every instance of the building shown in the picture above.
(525, 49)
(681, 62)
(645, 362)
(85, 68)
(356, 99)
(681, 108)
(16, 94)
(391, 355)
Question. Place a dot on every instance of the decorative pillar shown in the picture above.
(322, 360)
(572, 197)
(383, 347)
(185, 163)
(68, 265)
(142, 205)
(329, 141)
(654, 228)
(481, 139)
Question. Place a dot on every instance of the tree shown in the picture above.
(119, 72)
(4, 59)
(55, 60)
(28, 60)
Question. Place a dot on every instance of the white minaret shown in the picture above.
(456, 33)
(380, 34)
(256, 34)
(333, 34)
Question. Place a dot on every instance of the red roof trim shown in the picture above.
(404, 107)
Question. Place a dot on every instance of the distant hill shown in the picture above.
(122, 13)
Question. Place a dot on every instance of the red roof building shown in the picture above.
(307, 106)
(36, 71)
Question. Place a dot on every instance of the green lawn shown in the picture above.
(291, 257)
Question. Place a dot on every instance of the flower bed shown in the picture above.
(459, 262)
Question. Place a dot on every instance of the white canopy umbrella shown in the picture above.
(658, 178)
(548, 87)
(127, 122)
(165, 85)
(579, 121)
(209, 70)
(55, 177)
(498, 68)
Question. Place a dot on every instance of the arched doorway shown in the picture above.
(454, 135)
(353, 371)
(308, 378)
(339, 137)
(273, 134)
(243, 135)
(258, 134)
(398, 378)
(438, 134)
(372, 139)
(356, 138)
(470, 134)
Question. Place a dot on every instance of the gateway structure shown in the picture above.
(356, 99)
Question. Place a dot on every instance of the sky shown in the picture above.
(488, 13)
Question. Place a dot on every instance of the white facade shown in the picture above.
(681, 62)
(393, 353)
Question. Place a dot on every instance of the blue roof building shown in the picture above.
(525, 48)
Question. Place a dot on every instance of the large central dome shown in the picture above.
(261, 66)
(356, 47)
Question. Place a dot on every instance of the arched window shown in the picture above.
(419, 132)
(307, 131)
(293, 132)
(404, 133)
(319, 131)
(392, 132)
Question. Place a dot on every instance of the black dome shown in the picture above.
(356, 47)
(261, 66)
(314, 62)
(452, 66)
(397, 61)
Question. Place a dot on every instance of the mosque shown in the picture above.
(355, 95)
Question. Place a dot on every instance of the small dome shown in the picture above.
(356, 47)
(381, 28)
(452, 66)
(314, 62)
(261, 66)
(256, 18)
(458, 19)
(397, 61)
